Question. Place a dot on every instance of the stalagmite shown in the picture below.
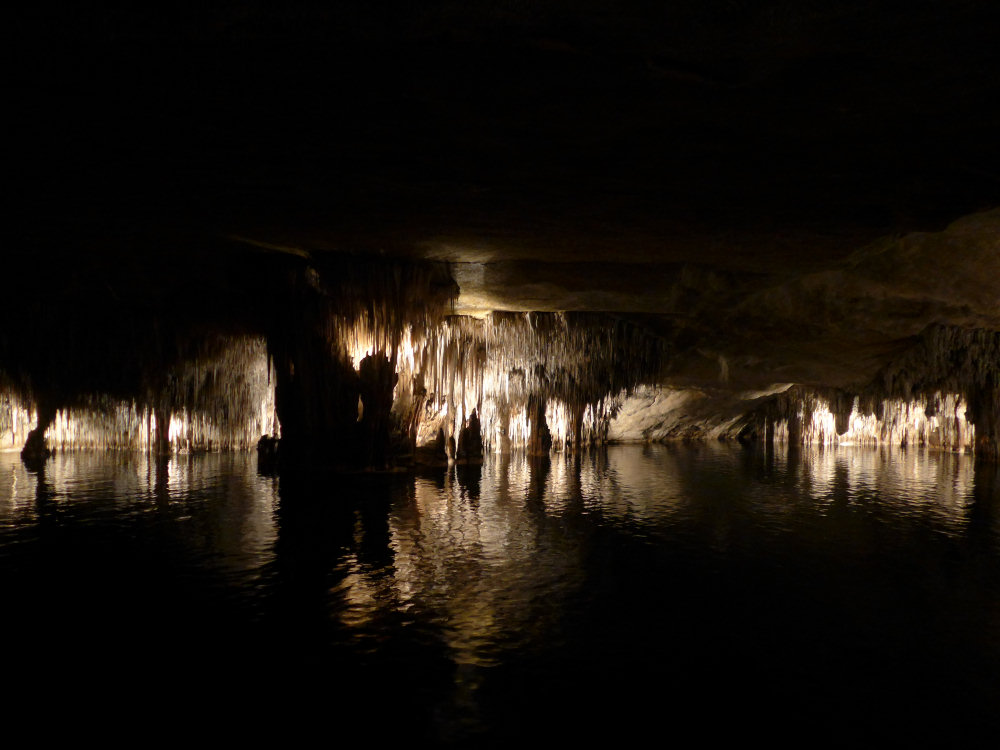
(470, 442)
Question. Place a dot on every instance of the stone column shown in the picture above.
(161, 438)
(539, 439)
(316, 397)
(377, 378)
(35, 448)
(577, 416)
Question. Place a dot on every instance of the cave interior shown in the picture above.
(377, 236)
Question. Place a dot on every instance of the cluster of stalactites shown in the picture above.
(579, 358)
(943, 392)
(510, 368)
(221, 399)
(803, 417)
(950, 359)
(17, 418)
(506, 371)
(947, 358)
(380, 306)
(507, 427)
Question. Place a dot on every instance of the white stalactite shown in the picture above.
(224, 401)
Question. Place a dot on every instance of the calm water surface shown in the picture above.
(843, 594)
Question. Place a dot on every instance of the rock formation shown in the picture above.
(569, 225)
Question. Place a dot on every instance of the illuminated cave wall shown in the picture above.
(356, 362)
(220, 399)
(576, 367)
(262, 347)
(937, 421)
(512, 369)
(942, 393)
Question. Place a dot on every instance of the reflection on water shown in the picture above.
(227, 511)
(609, 594)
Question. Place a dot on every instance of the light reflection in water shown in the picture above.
(475, 552)
(907, 482)
(214, 506)
(633, 580)
(502, 560)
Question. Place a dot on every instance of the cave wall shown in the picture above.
(354, 361)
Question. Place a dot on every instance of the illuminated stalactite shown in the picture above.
(16, 420)
(534, 380)
(222, 399)
(941, 393)
(803, 417)
(949, 359)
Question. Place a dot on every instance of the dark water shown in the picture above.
(666, 592)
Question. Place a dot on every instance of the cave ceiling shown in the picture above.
(797, 187)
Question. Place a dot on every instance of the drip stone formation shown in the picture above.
(222, 399)
(362, 363)
(360, 240)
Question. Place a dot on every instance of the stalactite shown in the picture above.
(578, 366)
(941, 393)
(16, 419)
(956, 360)
(343, 329)
(221, 399)
(802, 416)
